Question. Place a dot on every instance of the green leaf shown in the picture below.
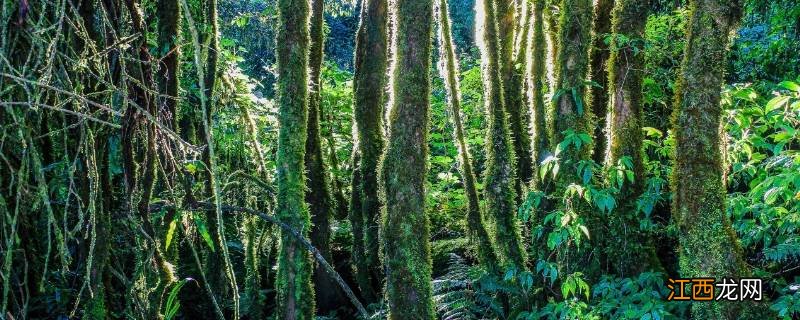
(203, 229)
(790, 85)
(170, 233)
(172, 304)
(776, 103)
(578, 101)
(584, 230)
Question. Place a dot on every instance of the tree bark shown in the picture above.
(406, 228)
(538, 89)
(511, 79)
(574, 39)
(169, 19)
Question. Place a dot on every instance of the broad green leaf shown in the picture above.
(203, 230)
(170, 233)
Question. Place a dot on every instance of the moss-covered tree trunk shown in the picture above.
(538, 90)
(139, 154)
(169, 20)
(295, 296)
(405, 228)
(572, 114)
(499, 178)
(475, 225)
(319, 197)
(355, 215)
(368, 88)
(708, 244)
(598, 95)
(511, 61)
(551, 14)
(574, 40)
(220, 273)
(628, 250)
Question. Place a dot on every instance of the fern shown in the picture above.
(789, 249)
(452, 292)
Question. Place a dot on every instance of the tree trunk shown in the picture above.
(355, 215)
(499, 178)
(319, 196)
(169, 21)
(538, 89)
(511, 79)
(708, 244)
(138, 136)
(405, 228)
(598, 95)
(368, 89)
(475, 225)
(574, 38)
(295, 295)
(628, 250)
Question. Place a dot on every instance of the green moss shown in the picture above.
(512, 75)
(295, 296)
(319, 197)
(574, 39)
(169, 18)
(405, 227)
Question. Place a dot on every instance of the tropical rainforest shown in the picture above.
(399, 159)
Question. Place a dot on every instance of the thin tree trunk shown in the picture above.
(406, 228)
(598, 95)
(295, 294)
(133, 126)
(511, 79)
(538, 89)
(475, 224)
(368, 89)
(499, 179)
(319, 196)
(355, 215)
(169, 19)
